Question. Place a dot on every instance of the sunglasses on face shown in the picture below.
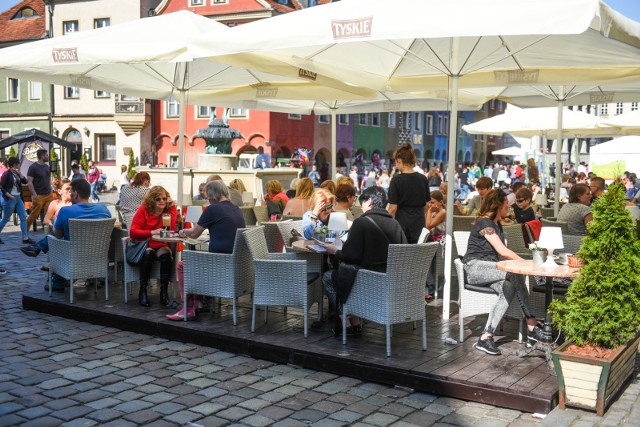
(161, 199)
(520, 200)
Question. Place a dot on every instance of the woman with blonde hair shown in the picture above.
(329, 186)
(301, 203)
(318, 216)
(148, 222)
(238, 184)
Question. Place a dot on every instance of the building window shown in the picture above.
(407, 120)
(101, 22)
(172, 108)
(375, 119)
(173, 161)
(619, 108)
(323, 118)
(35, 91)
(25, 13)
(203, 111)
(492, 104)
(129, 98)
(343, 119)
(446, 126)
(295, 116)
(429, 124)
(392, 120)
(219, 1)
(604, 109)
(362, 120)
(13, 89)
(197, 2)
(69, 27)
(71, 92)
(440, 125)
(634, 106)
(238, 112)
(102, 94)
(416, 121)
(107, 147)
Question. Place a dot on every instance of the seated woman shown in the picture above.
(522, 208)
(329, 185)
(147, 222)
(222, 218)
(275, 194)
(345, 198)
(131, 196)
(485, 248)
(318, 215)
(301, 203)
(435, 223)
(577, 213)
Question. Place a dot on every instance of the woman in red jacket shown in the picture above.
(147, 222)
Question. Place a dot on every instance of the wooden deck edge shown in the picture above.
(322, 362)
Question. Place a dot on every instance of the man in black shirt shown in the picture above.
(39, 182)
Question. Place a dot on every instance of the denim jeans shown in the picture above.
(94, 195)
(17, 205)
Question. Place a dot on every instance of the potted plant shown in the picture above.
(601, 314)
(538, 254)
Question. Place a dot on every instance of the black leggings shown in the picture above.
(150, 256)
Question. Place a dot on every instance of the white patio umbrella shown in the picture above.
(509, 151)
(412, 46)
(627, 123)
(150, 58)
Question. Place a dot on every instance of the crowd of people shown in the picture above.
(395, 207)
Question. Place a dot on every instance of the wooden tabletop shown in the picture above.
(176, 239)
(526, 266)
(301, 245)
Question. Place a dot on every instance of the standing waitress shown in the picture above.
(408, 194)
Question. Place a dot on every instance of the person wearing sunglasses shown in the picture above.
(522, 207)
(148, 222)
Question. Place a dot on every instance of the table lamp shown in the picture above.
(338, 223)
(550, 239)
(541, 200)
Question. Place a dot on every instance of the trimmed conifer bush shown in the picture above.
(602, 306)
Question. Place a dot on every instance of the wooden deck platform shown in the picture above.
(459, 371)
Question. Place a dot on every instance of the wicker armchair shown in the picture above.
(219, 275)
(85, 255)
(571, 243)
(285, 227)
(515, 240)
(563, 225)
(132, 274)
(275, 242)
(283, 279)
(463, 223)
(546, 212)
(474, 300)
(116, 251)
(393, 297)
(249, 216)
(261, 213)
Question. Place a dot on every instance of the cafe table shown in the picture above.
(528, 268)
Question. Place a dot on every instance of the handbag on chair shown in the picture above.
(135, 252)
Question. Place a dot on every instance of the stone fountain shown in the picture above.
(218, 137)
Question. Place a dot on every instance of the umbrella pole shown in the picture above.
(451, 164)
(556, 197)
(182, 100)
(334, 144)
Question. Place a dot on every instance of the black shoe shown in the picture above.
(3, 271)
(536, 335)
(1, 242)
(30, 250)
(28, 241)
(54, 288)
(488, 346)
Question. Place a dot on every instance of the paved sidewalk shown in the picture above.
(55, 371)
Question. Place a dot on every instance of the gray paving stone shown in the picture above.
(257, 421)
(80, 422)
(72, 412)
(34, 412)
(309, 415)
(182, 417)
(207, 408)
(144, 417)
(212, 392)
(133, 406)
(168, 408)
(346, 416)
(379, 419)
(254, 404)
(105, 415)
(234, 414)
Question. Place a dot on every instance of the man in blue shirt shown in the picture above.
(263, 160)
(80, 208)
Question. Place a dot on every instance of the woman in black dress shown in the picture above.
(408, 194)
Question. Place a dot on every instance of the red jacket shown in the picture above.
(144, 223)
(92, 177)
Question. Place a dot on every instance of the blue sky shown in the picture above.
(630, 8)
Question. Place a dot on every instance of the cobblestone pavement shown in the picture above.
(55, 371)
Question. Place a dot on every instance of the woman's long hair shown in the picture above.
(491, 204)
(150, 198)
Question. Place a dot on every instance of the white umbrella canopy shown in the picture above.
(509, 151)
(628, 123)
(412, 46)
(150, 58)
(530, 122)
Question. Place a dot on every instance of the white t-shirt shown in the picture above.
(124, 179)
